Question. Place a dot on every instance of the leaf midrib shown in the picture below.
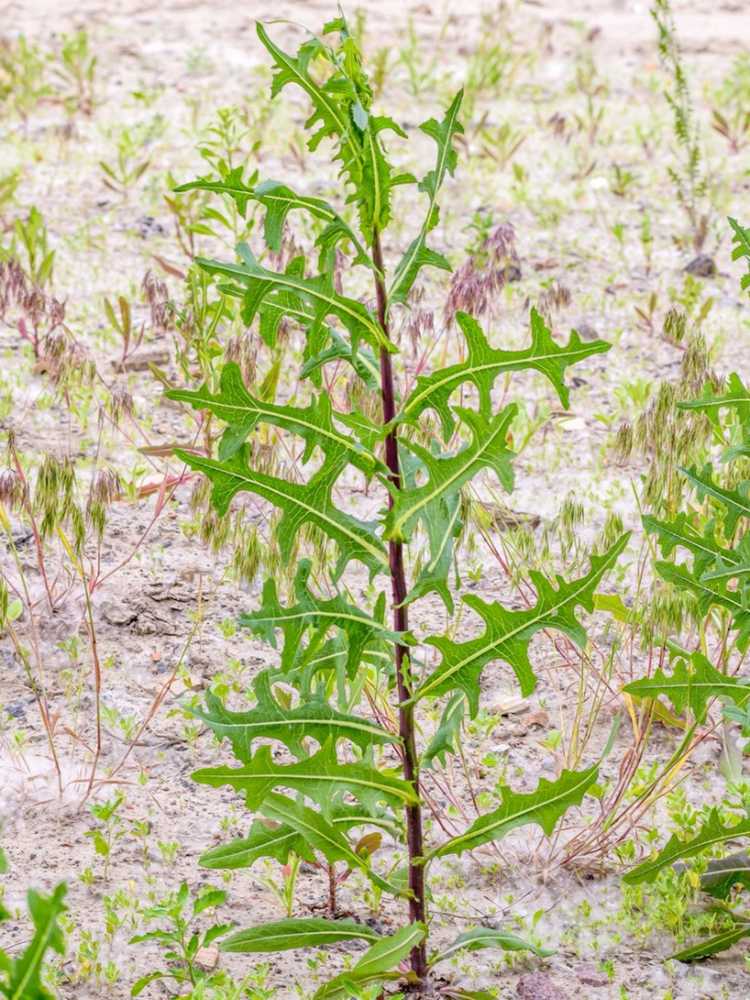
(443, 153)
(439, 680)
(463, 373)
(481, 831)
(440, 488)
(289, 496)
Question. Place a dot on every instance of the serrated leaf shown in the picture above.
(23, 976)
(507, 633)
(300, 503)
(329, 118)
(318, 614)
(418, 255)
(269, 720)
(708, 593)
(286, 303)
(712, 832)
(446, 737)
(341, 112)
(257, 283)
(364, 363)
(479, 938)
(691, 686)
(285, 935)
(279, 200)
(269, 839)
(736, 504)
(543, 807)
(680, 533)
(484, 364)
(442, 522)
(374, 194)
(317, 777)
(375, 965)
(736, 397)
(243, 412)
(322, 835)
(488, 450)
(241, 191)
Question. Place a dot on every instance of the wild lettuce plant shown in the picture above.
(712, 531)
(311, 766)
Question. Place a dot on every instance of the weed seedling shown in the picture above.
(185, 945)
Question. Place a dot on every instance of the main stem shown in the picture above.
(417, 906)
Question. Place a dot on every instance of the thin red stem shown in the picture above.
(417, 902)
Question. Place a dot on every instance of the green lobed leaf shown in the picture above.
(507, 633)
(269, 720)
(543, 807)
(279, 200)
(691, 685)
(269, 839)
(736, 397)
(736, 503)
(484, 364)
(341, 112)
(680, 533)
(319, 614)
(442, 522)
(285, 935)
(376, 964)
(286, 303)
(488, 450)
(243, 412)
(363, 361)
(317, 777)
(329, 118)
(322, 835)
(316, 294)
(708, 593)
(300, 503)
(446, 737)
(241, 191)
(419, 255)
(712, 832)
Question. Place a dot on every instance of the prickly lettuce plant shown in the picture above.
(706, 555)
(326, 781)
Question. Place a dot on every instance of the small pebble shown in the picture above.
(702, 266)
